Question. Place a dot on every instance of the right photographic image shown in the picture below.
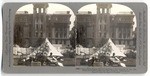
(105, 36)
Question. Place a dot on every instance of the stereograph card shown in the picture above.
(67, 37)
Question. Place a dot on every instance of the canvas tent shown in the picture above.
(47, 48)
(109, 48)
(16, 49)
(80, 50)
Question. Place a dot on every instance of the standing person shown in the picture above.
(50, 57)
(92, 61)
(50, 54)
(113, 55)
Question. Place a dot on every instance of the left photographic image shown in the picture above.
(42, 35)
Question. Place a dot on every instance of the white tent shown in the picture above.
(16, 49)
(109, 48)
(48, 48)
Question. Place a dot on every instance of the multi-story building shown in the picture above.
(22, 28)
(122, 29)
(85, 33)
(103, 25)
(59, 25)
(32, 29)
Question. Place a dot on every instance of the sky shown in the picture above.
(116, 8)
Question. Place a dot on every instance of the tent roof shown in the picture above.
(47, 47)
(110, 48)
(50, 48)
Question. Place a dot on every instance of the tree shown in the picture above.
(73, 37)
(102, 42)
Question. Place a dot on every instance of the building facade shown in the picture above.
(32, 29)
(59, 25)
(91, 29)
(85, 33)
(122, 29)
(103, 25)
(22, 29)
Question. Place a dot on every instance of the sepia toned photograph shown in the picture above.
(75, 37)
(97, 35)
(42, 36)
(106, 36)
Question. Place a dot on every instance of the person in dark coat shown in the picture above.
(91, 62)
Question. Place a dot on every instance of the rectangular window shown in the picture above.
(41, 34)
(56, 41)
(61, 35)
(104, 27)
(105, 10)
(119, 42)
(104, 35)
(41, 10)
(100, 27)
(120, 36)
(56, 35)
(36, 34)
(37, 10)
(100, 34)
(100, 10)
(60, 42)
(65, 34)
(36, 26)
(128, 33)
(41, 27)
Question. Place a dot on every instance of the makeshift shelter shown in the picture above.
(81, 50)
(16, 49)
(47, 48)
(109, 49)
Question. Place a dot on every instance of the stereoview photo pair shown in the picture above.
(74, 37)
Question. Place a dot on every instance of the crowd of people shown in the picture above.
(105, 60)
(43, 59)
